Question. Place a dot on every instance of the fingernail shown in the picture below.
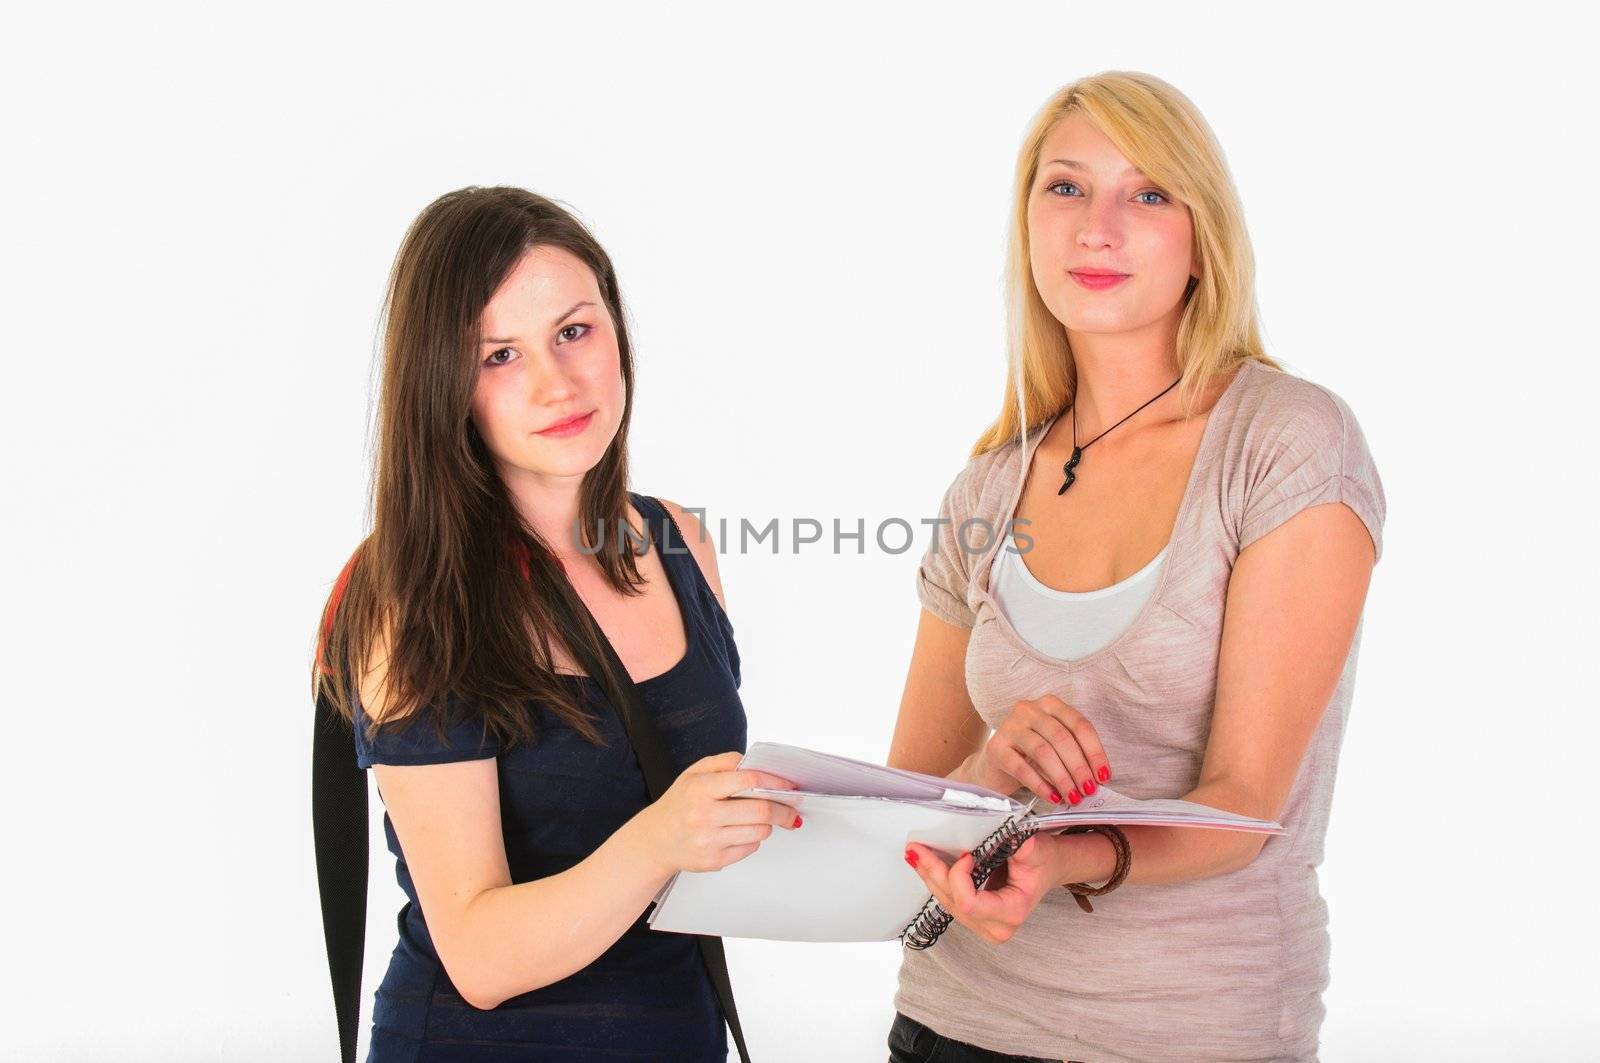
(1105, 773)
(797, 822)
(1055, 797)
(1072, 796)
(1088, 787)
(911, 857)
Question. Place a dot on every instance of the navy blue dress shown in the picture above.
(646, 997)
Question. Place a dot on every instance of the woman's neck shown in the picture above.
(549, 505)
(1120, 371)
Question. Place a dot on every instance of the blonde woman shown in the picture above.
(1176, 613)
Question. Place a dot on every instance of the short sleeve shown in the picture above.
(1312, 451)
(943, 574)
(418, 741)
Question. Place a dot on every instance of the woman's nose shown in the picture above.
(1101, 225)
(550, 382)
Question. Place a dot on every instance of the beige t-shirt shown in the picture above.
(1225, 968)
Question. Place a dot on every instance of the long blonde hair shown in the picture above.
(1162, 133)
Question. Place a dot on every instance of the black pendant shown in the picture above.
(1077, 452)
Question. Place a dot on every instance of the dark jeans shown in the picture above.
(912, 1042)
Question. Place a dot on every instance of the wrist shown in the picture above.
(970, 770)
(637, 843)
(962, 772)
(1090, 858)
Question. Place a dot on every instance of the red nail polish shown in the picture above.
(797, 822)
(1088, 787)
(1055, 797)
(911, 857)
(1072, 795)
(1105, 773)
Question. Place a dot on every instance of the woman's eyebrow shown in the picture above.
(570, 311)
(1073, 164)
(573, 310)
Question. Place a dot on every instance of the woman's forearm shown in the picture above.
(513, 939)
(1161, 855)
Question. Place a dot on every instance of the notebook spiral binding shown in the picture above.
(992, 852)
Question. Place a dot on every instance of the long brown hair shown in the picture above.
(468, 592)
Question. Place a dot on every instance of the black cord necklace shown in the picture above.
(1077, 451)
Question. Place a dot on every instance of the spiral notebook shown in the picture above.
(843, 877)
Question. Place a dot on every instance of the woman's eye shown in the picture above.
(570, 333)
(1061, 188)
(494, 358)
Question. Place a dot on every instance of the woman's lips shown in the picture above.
(1098, 282)
(568, 428)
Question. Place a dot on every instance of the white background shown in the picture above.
(807, 209)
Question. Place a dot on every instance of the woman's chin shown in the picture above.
(562, 464)
(1106, 321)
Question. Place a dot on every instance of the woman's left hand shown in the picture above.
(995, 912)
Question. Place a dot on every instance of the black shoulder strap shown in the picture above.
(659, 774)
(339, 826)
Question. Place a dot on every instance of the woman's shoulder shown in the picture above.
(980, 483)
(1274, 401)
(692, 529)
(1292, 443)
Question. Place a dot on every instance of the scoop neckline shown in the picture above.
(1020, 566)
(1202, 458)
(690, 629)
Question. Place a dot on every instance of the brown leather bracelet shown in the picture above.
(1082, 891)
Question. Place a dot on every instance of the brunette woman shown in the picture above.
(523, 833)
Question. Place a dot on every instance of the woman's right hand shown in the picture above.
(698, 826)
(1047, 746)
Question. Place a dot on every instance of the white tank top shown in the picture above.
(1067, 624)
